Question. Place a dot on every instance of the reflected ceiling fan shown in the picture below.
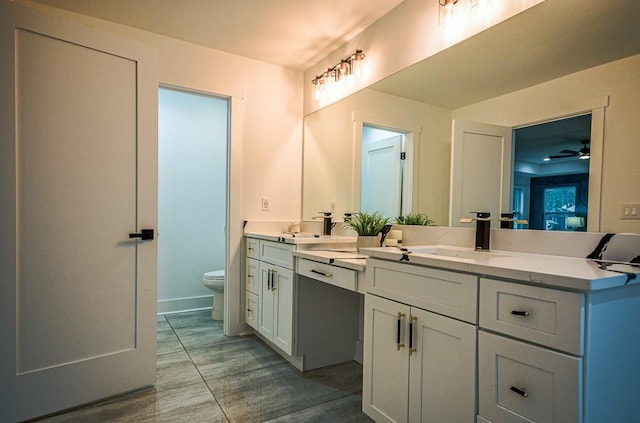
(583, 153)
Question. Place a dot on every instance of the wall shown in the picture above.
(569, 94)
(192, 188)
(266, 131)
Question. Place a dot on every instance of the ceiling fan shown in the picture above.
(583, 153)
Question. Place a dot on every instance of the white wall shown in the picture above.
(570, 94)
(192, 188)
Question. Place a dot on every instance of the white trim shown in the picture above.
(176, 305)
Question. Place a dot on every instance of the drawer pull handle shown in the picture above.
(326, 275)
(399, 330)
(522, 392)
(411, 320)
(519, 313)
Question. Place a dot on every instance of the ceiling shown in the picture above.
(292, 33)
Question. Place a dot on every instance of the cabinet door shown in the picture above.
(266, 301)
(386, 360)
(282, 291)
(442, 381)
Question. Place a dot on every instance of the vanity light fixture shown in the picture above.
(348, 67)
(446, 12)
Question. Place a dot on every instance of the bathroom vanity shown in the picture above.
(455, 335)
(304, 297)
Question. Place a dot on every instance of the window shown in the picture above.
(559, 204)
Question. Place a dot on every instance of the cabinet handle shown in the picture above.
(326, 275)
(519, 312)
(269, 279)
(399, 330)
(520, 391)
(411, 320)
(274, 274)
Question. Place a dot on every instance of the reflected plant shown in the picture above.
(420, 219)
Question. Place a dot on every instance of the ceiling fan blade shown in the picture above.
(571, 152)
(564, 156)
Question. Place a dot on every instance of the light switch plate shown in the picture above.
(630, 211)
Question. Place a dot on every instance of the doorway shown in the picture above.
(383, 170)
(551, 174)
(192, 191)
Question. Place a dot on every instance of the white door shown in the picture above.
(481, 176)
(382, 176)
(385, 379)
(78, 172)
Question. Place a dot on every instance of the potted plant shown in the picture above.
(368, 227)
(414, 219)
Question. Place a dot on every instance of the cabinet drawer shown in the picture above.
(253, 248)
(541, 315)
(450, 293)
(338, 276)
(277, 253)
(518, 382)
(252, 280)
(252, 310)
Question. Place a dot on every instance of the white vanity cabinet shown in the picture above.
(270, 291)
(419, 366)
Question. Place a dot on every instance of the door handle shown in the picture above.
(144, 235)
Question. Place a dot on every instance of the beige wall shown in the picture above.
(569, 94)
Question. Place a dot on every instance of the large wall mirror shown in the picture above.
(538, 97)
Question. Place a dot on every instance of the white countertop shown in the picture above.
(564, 272)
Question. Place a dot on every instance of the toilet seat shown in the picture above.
(214, 275)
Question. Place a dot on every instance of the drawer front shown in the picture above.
(252, 280)
(450, 293)
(338, 276)
(518, 382)
(541, 315)
(253, 248)
(277, 253)
(252, 310)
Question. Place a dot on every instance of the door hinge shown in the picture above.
(403, 155)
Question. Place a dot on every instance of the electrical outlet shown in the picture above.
(266, 203)
(630, 211)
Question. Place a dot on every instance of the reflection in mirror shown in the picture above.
(551, 174)
(382, 161)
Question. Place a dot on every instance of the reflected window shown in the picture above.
(559, 205)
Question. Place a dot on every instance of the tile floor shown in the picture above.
(204, 376)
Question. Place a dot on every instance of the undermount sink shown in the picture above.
(454, 252)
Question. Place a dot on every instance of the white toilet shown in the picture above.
(214, 280)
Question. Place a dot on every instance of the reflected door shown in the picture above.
(78, 162)
(382, 176)
(481, 162)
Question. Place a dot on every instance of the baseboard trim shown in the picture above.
(176, 305)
